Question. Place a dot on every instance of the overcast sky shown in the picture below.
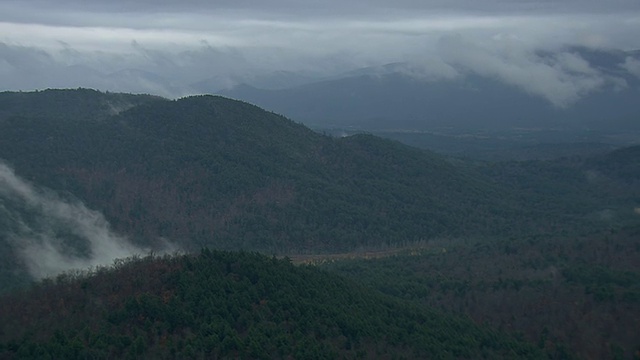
(107, 44)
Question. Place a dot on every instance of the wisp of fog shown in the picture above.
(52, 234)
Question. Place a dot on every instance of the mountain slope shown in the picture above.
(225, 173)
(396, 100)
(222, 305)
(210, 171)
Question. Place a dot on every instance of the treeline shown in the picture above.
(573, 296)
(241, 305)
(69, 104)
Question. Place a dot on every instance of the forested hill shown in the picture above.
(232, 305)
(80, 104)
(210, 171)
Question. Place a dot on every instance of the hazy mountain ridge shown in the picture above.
(396, 96)
(239, 149)
(396, 101)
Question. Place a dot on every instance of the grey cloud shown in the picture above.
(20, 66)
(162, 47)
(562, 78)
(29, 68)
(22, 57)
(337, 6)
(574, 64)
(632, 65)
(143, 69)
(431, 69)
(156, 13)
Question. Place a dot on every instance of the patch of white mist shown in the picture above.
(115, 109)
(53, 235)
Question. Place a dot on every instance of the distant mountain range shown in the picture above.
(396, 97)
(568, 88)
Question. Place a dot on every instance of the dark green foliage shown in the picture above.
(205, 165)
(571, 295)
(69, 105)
(211, 171)
(623, 164)
(222, 304)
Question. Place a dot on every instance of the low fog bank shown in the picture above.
(52, 235)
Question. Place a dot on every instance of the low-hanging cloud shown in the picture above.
(164, 47)
(562, 78)
(52, 234)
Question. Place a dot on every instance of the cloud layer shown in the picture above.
(163, 47)
(562, 78)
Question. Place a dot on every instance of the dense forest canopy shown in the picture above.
(87, 176)
(228, 305)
